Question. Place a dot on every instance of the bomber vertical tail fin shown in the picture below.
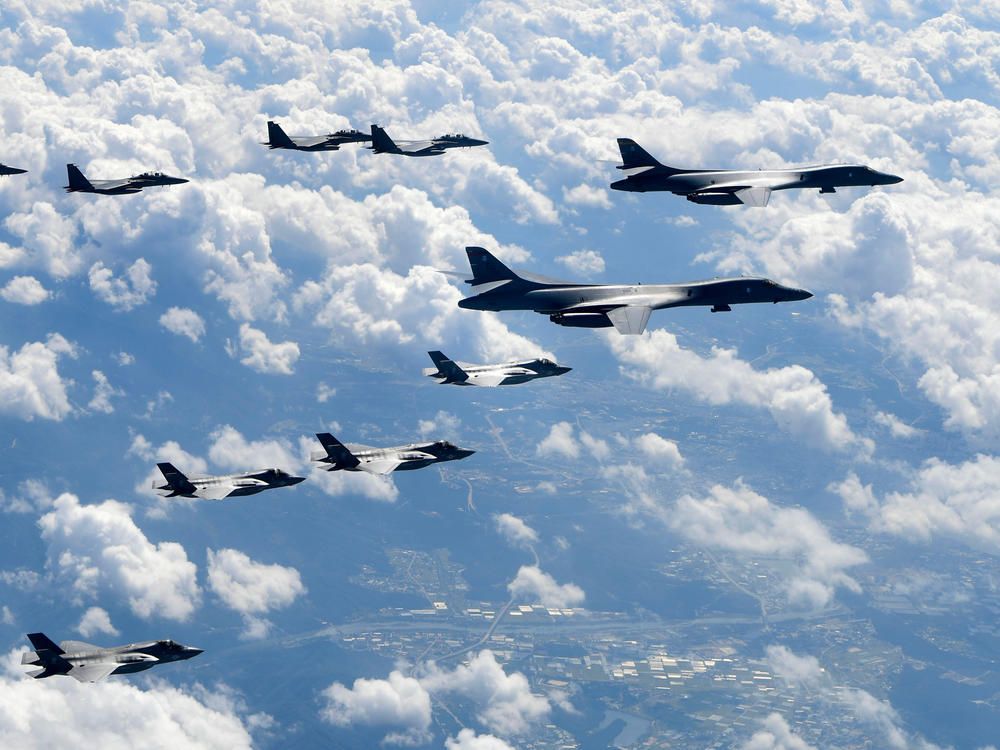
(635, 156)
(276, 137)
(381, 142)
(486, 268)
(77, 182)
(334, 453)
(446, 368)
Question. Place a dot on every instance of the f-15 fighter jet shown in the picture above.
(383, 144)
(89, 663)
(80, 184)
(5, 170)
(626, 307)
(510, 373)
(730, 187)
(216, 488)
(276, 138)
(353, 457)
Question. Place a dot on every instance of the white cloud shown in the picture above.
(660, 449)
(61, 712)
(124, 359)
(251, 587)
(559, 442)
(958, 501)
(231, 451)
(444, 426)
(30, 384)
(7, 617)
(103, 391)
(896, 427)
(96, 620)
(795, 669)
(515, 530)
(505, 702)
(534, 585)
(126, 293)
(336, 483)
(183, 322)
(399, 702)
(585, 262)
(588, 196)
(264, 356)
(324, 392)
(467, 739)
(776, 735)
(741, 521)
(98, 548)
(794, 396)
(25, 290)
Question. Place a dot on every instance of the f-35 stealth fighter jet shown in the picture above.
(383, 144)
(80, 184)
(5, 170)
(216, 488)
(728, 187)
(626, 307)
(353, 457)
(510, 373)
(276, 138)
(89, 663)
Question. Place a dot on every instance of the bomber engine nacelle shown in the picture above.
(581, 320)
(714, 199)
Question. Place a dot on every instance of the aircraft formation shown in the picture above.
(494, 287)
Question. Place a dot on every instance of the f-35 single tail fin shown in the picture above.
(447, 369)
(381, 142)
(177, 483)
(46, 655)
(334, 453)
(77, 182)
(276, 137)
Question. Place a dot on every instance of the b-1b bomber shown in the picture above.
(624, 306)
(731, 187)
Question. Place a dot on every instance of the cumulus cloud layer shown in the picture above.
(183, 322)
(30, 383)
(532, 584)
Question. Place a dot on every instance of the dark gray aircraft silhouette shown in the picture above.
(276, 138)
(80, 184)
(725, 187)
(228, 485)
(626, 307)
(89, 663)
(383, 144)
(509, 373)
(353, 457)
(5, 170)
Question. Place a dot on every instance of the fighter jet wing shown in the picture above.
(488, 379)
(310, 141)
(110, 184)
(630, 319)
(93, 672)
(214, 491)
(380, 465)
(411, 147)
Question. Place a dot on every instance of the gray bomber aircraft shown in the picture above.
(89, 663)
(624, 306)
(80, 184)
(509, 373)
(276, 138)
(5, 170)
(217, 488)
(728, 187)
(383, 144)
(353, 457)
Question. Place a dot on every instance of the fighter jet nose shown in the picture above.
(894, 179)
(803, 294)
(190, 651)
(296, 480)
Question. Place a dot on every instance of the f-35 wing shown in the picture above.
(215, 491)
(380, 465)
(489, 379)
(93, 672)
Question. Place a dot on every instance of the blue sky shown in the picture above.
(220, 323)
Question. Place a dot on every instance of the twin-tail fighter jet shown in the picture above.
(276, 138)
(217, 488)
(728, 187)
(80, 184)
(383, 144)
(353, 457)
(448, 372)
(5, 170)
(89, 663)
(626, 307)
